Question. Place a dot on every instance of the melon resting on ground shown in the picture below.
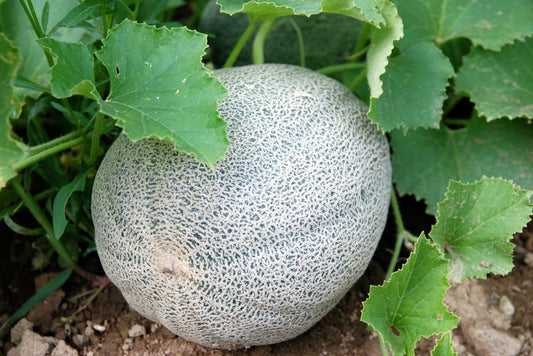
(260, 248)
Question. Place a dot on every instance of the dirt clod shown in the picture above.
(136, 331)
(18, 330)
(32, 344)
(63, 349)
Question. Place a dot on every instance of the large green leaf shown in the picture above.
(73, 71)
(409, 305)
(425, 160)
(414, 89)
(366, 10)
(15, 24)
(500, 83)
(476, 222)
(160, 88)
(11, 150)
(488, 23)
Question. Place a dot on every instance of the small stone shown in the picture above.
(80, 341)
(154, 327)
(18, 330)
(88, 331)
(31, 344)
(136, 331)
(528, 260)
(62, 349)
(506, 306)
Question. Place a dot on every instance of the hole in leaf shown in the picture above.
(394, 330)
(440, 317)
(117, 70)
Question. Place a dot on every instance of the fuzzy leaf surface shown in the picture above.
(160, 88)
(11, 150)
(500, 83)
(414, 88)
(409, 305)
(425, 160)
(488, 23)
(444, 346)
(475, 223)
(73, 72)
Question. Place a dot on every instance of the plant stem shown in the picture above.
(95, 139)
(358, 80)
(32, 18)
(47, 153)
(104, 19)
(41, 218)
(340, 68)
(52, 143)
(400, 230)
(258, 52)
(301, 46)
(240, 44)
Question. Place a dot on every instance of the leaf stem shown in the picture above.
(104, 19)
(358, 80)
(41, 218)
(49, 151)
(301, 47)
(240, 44)
(258, 52)
(401, 234)
(340, 68)
(95, 139)
(52, 143)
(400, 229)
(32, 18)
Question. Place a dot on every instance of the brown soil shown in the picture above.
(494, 311)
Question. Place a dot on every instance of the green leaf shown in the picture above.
(381, 45)
(160, 88)
(488, 23)
(60, 203)
(424, 161)
(365, 10)
(11, 150)
(500, 83)
(409, 305)
(444, 346)
(15, 24)
(41, 294)
(475, 223)
(414, 89)
(73, 72)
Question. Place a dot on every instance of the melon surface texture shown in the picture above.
(260, 248)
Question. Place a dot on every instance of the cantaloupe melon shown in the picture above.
(328, 38)
(259, 248)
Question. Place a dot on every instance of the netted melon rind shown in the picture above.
(258, 249)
